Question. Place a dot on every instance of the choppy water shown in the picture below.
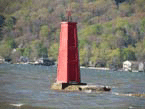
(30, 85)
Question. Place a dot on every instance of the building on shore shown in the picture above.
(1, 60)
(133, 66)
(45, 61)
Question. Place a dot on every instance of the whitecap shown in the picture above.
(17, 105)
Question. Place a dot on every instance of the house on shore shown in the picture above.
(44, 61)
(1, 60)
(133, 66)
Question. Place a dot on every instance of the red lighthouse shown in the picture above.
(68, 70)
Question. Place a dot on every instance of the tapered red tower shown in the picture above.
(68, 70)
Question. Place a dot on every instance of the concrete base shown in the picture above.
(78, 87)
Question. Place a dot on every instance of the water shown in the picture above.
(30, 85)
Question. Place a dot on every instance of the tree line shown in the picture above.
(109, 32)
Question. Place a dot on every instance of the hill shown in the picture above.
(109, 31)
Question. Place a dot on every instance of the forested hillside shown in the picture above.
(109, 32)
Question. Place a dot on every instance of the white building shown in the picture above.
(133, 66)
(127, 65)
(141, 67)
(1, 59)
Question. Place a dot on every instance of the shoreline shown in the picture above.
(97, 68)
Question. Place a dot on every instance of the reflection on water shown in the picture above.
(30, 85)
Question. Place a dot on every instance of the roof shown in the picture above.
(133, 62)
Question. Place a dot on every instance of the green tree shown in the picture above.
(38, 49)
(9, 23)
(10, 42)
(44, 31)
(82, 54)
(5, 51)
(27, 51)
(129, 54)
(53, 51)
(143, 26)
(140, 50)
(114, 58)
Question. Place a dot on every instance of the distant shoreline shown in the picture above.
(97, 68)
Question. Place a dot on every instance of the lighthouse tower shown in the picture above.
(68, 70)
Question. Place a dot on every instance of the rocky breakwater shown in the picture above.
(79, 87)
